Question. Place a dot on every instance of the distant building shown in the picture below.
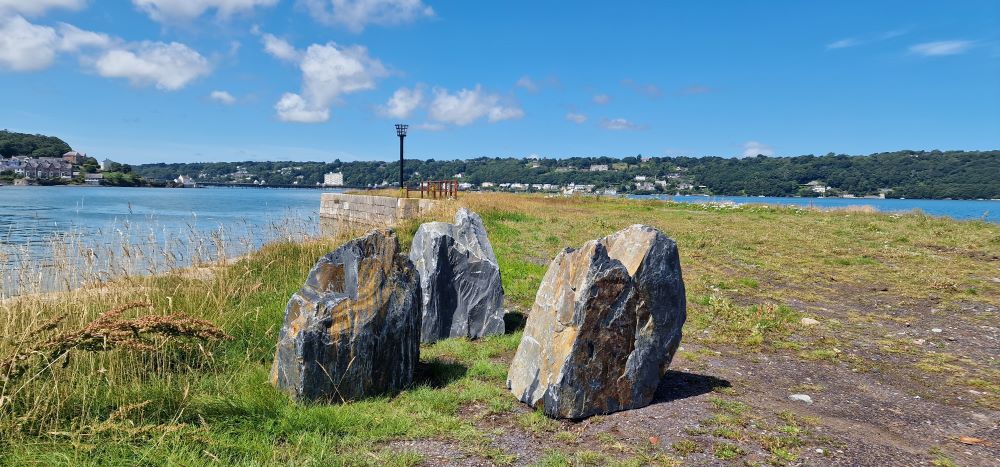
(333, 179)
(93, 179)
(640, 178)
(73, 157)
(817, 187)
(599, 168)
(487, 185)
(40, 167)
(106, 164)
(185, 181)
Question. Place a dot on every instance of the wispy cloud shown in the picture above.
(527, 83)
(355, 15)
(618, 124)
(756, 148)
(649, 90)
(601, 99)
(222, 97)
(576, 117)
(939, 48)
(696, 89)
(843, 43)
(855, 41)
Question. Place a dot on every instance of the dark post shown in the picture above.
(401, 132)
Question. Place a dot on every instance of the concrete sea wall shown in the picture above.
(339, 209)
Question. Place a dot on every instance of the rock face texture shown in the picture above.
(459, 279)
(353, 329)
(605, 324)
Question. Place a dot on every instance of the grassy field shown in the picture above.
(878, 285)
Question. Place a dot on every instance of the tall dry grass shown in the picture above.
(66, 362)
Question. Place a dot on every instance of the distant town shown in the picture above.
(47, 160)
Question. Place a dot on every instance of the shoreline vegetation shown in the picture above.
(855, 308)
(901, 174)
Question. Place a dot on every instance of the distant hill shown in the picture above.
(23, 144)
(910, 174)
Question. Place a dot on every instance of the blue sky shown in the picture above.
(228, 80)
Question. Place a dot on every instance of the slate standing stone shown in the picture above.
(462, 295)
(604, 327)
(353, 329)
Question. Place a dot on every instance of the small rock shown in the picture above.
(801, 398)
(919, 341)
(819, 451)
(808, 322)
(936, 330)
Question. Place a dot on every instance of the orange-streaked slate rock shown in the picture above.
(353, 329)
(604, 327)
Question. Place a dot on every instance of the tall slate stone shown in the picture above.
(604, 327)
(460, 279)
(353, 329)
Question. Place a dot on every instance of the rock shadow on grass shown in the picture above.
(677, 385)
(514, 321)
(438, 373)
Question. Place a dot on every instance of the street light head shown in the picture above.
(401, 129)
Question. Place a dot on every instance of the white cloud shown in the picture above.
(222, 97)
(755, 148)
(931, 49)
(355, 15)
(601, 99)
(469, 105)
(329, 71)
(180, 10)
(167, 66)
(843, 43)
(280, 48)
(38, 7)
(72, 39)
(527, 83)
(575, 117)
(25, 46)
(403, 102)
(293, 108)
(619, 124)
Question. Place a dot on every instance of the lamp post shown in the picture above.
(401, 132)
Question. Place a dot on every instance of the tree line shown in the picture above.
(910, 174)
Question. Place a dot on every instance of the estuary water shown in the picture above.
(61, 237)
(988, 210)
(96, 233)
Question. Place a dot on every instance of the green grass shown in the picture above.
(195, 405)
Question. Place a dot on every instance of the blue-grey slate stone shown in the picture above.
(459, 279)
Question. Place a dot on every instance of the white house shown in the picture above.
(599, 168)
(817, 186)
(185, 181)
(333, 179)
(106, 164)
